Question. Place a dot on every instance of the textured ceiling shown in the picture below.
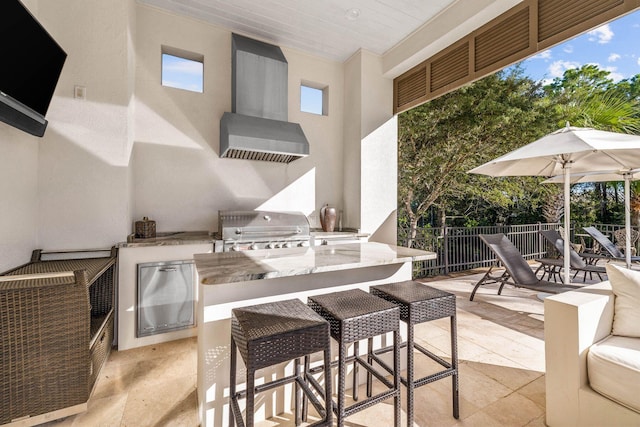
(320, 27)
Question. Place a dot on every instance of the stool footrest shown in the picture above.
(364, 404)
(422, 381)
(364, 364)
(434, 377)
(433, 357)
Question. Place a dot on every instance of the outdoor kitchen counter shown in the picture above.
(169, 238)
(229, 267)
(234, 279)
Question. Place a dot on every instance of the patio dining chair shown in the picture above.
(608, 249)
(620, 237)
(517, 271)
(576, 260)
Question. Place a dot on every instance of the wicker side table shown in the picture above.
(420, 303)
(273, 333)
(355, 315)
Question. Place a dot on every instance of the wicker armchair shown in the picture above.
(56, 329)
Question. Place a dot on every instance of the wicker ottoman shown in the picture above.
(420, 303)
(355, 315)
(273, 333)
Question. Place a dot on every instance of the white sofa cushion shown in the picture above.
(626, 287)
(613, 366)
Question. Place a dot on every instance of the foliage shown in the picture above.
(443, 139)
(588, 97)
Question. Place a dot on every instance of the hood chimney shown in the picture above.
(257, 128)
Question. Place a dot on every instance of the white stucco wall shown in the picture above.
(83, 158)
(370, 149)
(19, 195)
(134, 148)
(179, 179)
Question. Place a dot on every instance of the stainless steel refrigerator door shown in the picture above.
(165, 297)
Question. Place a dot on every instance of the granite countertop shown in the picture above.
(344, 233)
(228, 267)
(170, 238)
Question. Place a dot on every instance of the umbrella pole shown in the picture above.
(567, 220)
(627, 218)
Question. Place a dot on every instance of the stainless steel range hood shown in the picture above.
(257, 128)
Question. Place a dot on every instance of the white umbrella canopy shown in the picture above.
(566, 151)
(609, 176)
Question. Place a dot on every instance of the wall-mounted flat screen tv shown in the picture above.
(31, 63)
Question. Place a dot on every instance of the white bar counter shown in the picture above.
(235, 279)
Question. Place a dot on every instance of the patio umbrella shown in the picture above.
(566, 151)
(627, 176)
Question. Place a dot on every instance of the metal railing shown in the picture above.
(460, 248)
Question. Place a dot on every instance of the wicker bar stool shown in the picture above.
(355, 315)
(421, 303)
(272, 333)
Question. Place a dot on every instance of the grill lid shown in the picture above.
(255, 225)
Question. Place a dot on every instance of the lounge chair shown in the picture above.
(609, 250)
(517, 270)
(576, 260)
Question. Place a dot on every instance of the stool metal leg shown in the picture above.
(370, 361)
(396, 377)
(410, 383)
(250, 396)
(342, 367)
(356, 353)
(305, 401)
(232, 385)
(298, 392)
(328, 399)
(454, 364)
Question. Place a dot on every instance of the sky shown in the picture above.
(182, 73)
(613, 47)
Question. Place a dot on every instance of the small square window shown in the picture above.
(313, 99)
(182, 70)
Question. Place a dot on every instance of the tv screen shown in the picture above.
(31, 65)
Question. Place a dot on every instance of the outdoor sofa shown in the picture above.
(592, 374)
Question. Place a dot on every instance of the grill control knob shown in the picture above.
(235, 248)
(253, 246)
(286, 245)
(303, 244)
(271, 245)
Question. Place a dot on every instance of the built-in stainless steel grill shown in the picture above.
(249, 230)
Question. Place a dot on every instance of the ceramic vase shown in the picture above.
(328, 216)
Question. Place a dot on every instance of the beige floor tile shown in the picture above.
(162, 369)
(115, 378)
(169, 403)
(499, 369)
(514, 410)
(535, 391)
(101, 412)
(500, 348)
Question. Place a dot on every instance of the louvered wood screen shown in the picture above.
(527, 28)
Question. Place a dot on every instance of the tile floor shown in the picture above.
(501, 355)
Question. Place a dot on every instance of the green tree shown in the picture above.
(444, 138)
(588, 97)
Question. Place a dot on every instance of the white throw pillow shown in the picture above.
(626, 288)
